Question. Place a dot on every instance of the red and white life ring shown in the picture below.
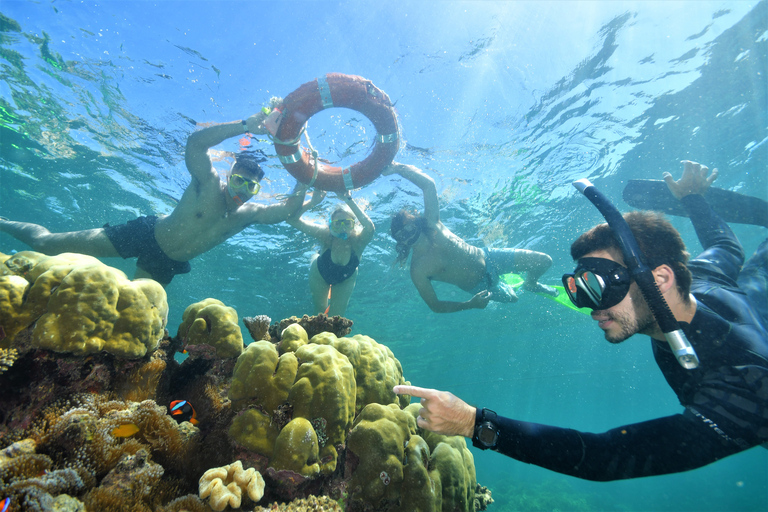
(336, 90)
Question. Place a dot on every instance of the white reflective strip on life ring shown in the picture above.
(325, 92)
(290, 159)
(347, 175)
(392, 137)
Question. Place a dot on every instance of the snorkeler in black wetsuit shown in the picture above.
(725, 397)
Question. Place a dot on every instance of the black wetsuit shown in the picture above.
(136, 239)
(725, 398)
(334, 273)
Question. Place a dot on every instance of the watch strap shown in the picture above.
(482, 416)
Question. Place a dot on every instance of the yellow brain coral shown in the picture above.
(212, 323)
(225, 485)
(82, 306)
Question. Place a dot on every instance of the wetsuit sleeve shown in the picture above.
(722, 250)
(661, 446)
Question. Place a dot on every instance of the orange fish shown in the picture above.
(126, 430)
(5, 504)
(181, 410)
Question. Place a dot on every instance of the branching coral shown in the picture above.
(225, 485)
(258, 327)
(7, 358)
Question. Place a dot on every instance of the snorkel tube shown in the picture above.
(642, 275)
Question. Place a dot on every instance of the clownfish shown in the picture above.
(126, 430)
(181, 410)
(5, 504)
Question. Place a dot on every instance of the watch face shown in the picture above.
(487, 434)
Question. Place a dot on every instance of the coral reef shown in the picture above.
(80, 305)
(337, 325)
(258, 327)
(311, 414)
(210, 322)
(225, 486)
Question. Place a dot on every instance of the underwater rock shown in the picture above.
(80, 305)
(210, 322)
(337, 325)
(258, 327)
(225, 486)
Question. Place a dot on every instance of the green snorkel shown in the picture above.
(643, 276)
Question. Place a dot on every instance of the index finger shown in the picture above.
(414, 391)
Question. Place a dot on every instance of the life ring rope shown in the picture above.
(351, 92)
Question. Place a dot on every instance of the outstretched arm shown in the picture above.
(427, 292)
(424, 182)
(196, 156)
(661, 446)
(276, 213)
(310, 228)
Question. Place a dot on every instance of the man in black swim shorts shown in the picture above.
(208, 213)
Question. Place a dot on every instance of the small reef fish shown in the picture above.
(181, 410)
(5, 504)
(126, 430)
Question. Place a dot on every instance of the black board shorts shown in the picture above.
(136, 239)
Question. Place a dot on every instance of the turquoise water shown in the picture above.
(504, 104)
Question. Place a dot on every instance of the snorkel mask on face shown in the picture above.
(641, 274)
(342, 227)
(597, 283)
(241, 188)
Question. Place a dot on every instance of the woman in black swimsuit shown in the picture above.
(333, 271)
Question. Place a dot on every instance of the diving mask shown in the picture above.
(597, 283)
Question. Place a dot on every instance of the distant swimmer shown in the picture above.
(210, 211)
(439, 255)
(721, 381)
(333, 271)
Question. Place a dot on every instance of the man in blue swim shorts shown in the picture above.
(208, 213)
(440, 255)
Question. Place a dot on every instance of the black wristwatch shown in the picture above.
(486, 431)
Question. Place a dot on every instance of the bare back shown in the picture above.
(440, 255)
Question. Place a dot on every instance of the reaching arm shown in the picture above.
(196, 156)
(721, 246)
(309, 228)
(276, 213)
(661, 446)
(427, 292)
(425, 183)
(368, 228)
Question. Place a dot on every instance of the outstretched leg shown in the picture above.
(318, 287)
(753, 280)
(93, 242)
(340, 294)
(533, 263)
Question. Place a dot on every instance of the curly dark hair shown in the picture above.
(248, 165)
(659, 242)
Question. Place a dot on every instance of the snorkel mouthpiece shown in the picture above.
(643, 276)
